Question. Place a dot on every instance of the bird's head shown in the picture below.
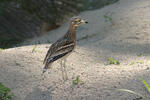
(76, 21)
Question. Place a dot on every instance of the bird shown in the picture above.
(64, 46)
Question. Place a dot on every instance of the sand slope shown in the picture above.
(125, 38)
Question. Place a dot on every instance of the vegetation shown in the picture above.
(140, 62)
(113, 61)
(22, 19)
(76, 81)
(34, 48)
(5, 93)
(1, 49)
(108, 18)
(141, 97)
(146, 85)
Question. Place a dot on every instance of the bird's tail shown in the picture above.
(48, 63)
(44, 69)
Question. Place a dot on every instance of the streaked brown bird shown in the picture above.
(63, 46)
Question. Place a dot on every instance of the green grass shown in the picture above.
(146, 85)
(1, 49)
(34, 49)
(76, 81)
(5, 93)
(132, 63)
(108, 17)
(113, 61)
(142, 97)
(139, 62)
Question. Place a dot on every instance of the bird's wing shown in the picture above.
(48, 54)
(59, 49)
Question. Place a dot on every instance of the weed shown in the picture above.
(76, 81)
(108, 17)
(5, 93)
(146, 85)
(138, 94)
(147, 63)
(132, 92)
(34, 48)
(132, 63)
(1, 49)
(113, 61)
(140, 62)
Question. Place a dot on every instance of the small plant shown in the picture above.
(34, 48)
(76, 81)
(146, 85)
(138, 94)
(108, 17)
(132, 92)
(147, 63)
(1, 49)
(140, 62)
(132, 63)
(5, 93)
(113, 61)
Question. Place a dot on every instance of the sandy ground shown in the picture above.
(126, 38)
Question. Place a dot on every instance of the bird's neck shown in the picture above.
(72, 32)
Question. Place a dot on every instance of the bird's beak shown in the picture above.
(84, 22)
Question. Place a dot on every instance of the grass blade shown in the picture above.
(34, 48)
(130, 91)
(146, 85)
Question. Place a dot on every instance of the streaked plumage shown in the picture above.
(64, 46)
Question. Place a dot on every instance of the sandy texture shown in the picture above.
(125, 38)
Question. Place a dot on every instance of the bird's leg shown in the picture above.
(62, 69)
(66, 76)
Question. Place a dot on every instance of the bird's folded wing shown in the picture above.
(65, 49)
(59, 50)
(47, 55)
